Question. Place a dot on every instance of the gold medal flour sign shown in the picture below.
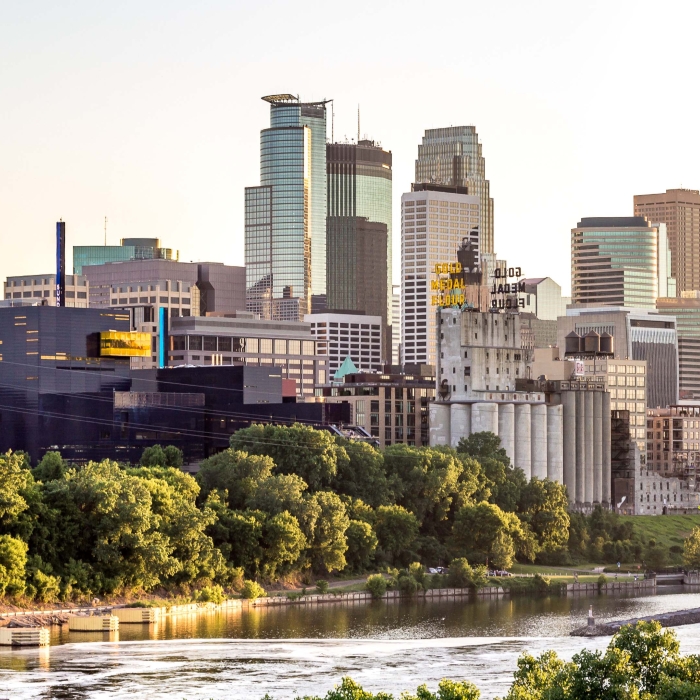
(448, 290)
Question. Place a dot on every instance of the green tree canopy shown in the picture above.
(396, 529)
(297, 449)
(237, 473)
(544, 507)
(484, 530)
(362, 475)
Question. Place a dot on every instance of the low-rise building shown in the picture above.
(242, 339)
(348, 334)
(393, 406)
(41, 289)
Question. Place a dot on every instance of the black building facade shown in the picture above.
(66, 385)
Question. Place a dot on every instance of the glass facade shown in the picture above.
(452, 156)
(618, 261)
(359, 230)
(285, 217)
(100, 254)
(130, 249)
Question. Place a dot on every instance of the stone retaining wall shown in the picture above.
(365, 596)
(642, 585)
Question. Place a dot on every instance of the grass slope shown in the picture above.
(667, 530)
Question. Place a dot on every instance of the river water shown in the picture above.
(306, 649)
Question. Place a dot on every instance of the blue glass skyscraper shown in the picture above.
(285, 217)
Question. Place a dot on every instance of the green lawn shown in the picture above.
(667, 530)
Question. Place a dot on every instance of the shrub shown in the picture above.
(48, 587)
(376, 585)
(437, 581)
(460, 574)
(322, 586)
(211, 594)
(479, 576)
(416, 570)
(407, 584)
(252, 590)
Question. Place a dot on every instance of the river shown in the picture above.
(306, 649)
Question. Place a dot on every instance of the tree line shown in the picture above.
(281, 502)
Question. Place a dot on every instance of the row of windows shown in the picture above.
(264, 346)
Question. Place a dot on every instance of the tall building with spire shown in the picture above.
(452, 157)
(285, 216)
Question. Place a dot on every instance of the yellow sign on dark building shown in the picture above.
(123, 344)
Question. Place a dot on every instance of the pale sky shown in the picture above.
(149, 112)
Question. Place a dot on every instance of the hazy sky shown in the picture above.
(150, 112)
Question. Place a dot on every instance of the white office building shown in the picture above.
(353, 335)
(434, 222)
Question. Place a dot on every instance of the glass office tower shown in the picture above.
(452, 156)
(620, 261)
(359, 231)
(285, 217)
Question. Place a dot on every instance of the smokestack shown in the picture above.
(60, 263)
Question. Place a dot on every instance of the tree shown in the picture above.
(483, 445)
(691, 549)
(297, 449)
(173, 501)
(13, 562)
(283, 492)
(362, 474)
(482, 530)
(283, 543)
(13, 479)
(651, 651)
(237, 473)
(328, 544)
(459, 574)
(426, 482)
(396, 530)
(502, 551)
(173, 457)
(544, 505)
(102, 515)
(362, 543)
(153, 456)
(539, 678)
(655, 556)
(50, 467)
(598, 676)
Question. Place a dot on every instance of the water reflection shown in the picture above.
(283, 650)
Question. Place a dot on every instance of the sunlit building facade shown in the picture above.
(285, 217)
(679, 209)
(453, 156)
(435, 221)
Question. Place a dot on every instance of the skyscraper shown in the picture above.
(680, 211)
(620, 261)
(358, 250)
(435, 221)
(452, 156)
(285, 217)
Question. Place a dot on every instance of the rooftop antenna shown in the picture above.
(358, 123)
(105, 231)
(332, 121)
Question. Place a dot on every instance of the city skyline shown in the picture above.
(160, 164)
